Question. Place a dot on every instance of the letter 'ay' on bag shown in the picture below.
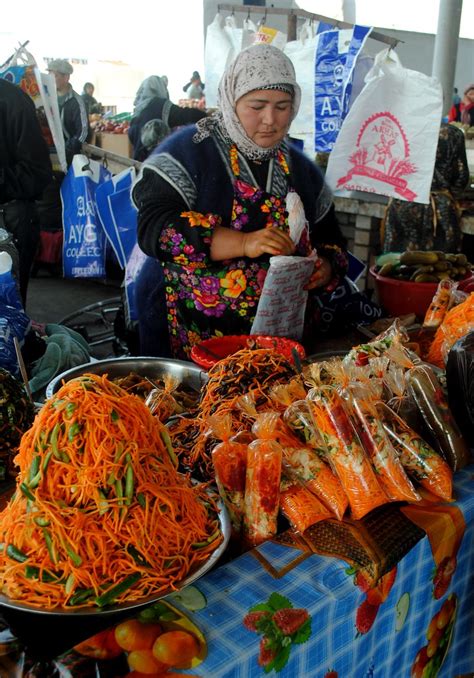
(84, 250)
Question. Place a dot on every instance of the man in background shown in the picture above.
(75, 124)
(73, 113)
(25, 171)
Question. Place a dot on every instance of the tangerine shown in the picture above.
(135, 635)
(176, 648)
(143, 661)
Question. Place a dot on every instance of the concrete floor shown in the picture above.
(50, 299)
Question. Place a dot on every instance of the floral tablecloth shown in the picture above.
(419, 620)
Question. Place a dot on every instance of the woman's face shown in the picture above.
(265, 115)
(470, 95)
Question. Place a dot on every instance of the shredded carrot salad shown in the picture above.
(100, 514)
(250, 371)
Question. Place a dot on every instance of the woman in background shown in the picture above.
(464, 110)
(91, 104)
(152, 103)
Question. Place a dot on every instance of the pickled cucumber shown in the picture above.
(418, 257)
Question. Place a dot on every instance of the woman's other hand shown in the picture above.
(267, 241)
(321, 275)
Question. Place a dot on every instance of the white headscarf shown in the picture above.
(151, 88)
(260, 66)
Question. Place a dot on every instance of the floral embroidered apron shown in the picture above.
(220, 298)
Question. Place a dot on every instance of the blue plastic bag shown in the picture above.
(84, 251)
(118, 214)
(335, 58)
(13, 323)
(9, 291)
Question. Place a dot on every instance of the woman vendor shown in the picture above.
(212, 208)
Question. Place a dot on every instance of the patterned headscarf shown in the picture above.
(466, 106)
(258, 67)
(151, 88)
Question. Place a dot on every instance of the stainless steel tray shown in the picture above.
(142, 602)
(189, 374)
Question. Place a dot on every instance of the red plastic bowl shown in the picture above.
(209, 352)
(399, 297)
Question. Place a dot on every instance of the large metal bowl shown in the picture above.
(142, 602)
(188, 374)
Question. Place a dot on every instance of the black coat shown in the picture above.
(176, 117)
(75, 124)
(25, 167)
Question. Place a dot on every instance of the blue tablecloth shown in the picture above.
(322, 587)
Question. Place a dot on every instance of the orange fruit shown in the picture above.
(134, 635)
(176, 648)
(101, 646)
(143, 661)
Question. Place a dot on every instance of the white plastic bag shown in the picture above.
(301, 52)
(282, 304)
(223, 43)
(387, 144)
(248, 33)
(21, 70)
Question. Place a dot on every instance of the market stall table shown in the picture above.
(384, 646)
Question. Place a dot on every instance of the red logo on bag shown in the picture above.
(383, 153)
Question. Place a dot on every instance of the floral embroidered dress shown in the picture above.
(225, 292)
(208, 298)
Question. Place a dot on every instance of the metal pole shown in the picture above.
(446, 47)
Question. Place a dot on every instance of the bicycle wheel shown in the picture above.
(96, 323)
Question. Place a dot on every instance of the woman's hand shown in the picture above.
(267, 241)
(321, 275)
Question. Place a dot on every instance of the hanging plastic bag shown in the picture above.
(387, 144)
(118, 214)
(84, 238)
(248, 33)
(335, 58)
(301, 52)
(223, 43)
(21, 70)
